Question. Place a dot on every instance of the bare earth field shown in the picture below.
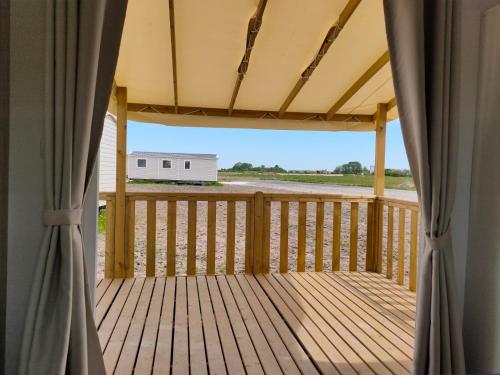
(250, 187)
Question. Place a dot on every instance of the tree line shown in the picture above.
(350, 168)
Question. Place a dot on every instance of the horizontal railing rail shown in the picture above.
(262, 219)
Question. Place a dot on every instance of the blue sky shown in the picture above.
(290, 149)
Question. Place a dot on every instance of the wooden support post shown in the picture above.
(380, 127)
(378, 185)
(121, 160)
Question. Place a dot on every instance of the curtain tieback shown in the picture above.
(62, 217)
(440, 242)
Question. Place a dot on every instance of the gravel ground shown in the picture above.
(251, 187)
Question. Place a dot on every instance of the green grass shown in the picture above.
(101, 220)
(405, 183)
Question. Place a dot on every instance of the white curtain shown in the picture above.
(60, 335)
(422, 36)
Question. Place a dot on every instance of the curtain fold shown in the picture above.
(422, 41)
(82, 49)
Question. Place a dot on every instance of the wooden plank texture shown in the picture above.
(211, 236)
(320, 223)
(337, 226)
(413, 250)
(109, 257)
(401, 245)
(191, 238)
(231, 237)
(353, 238)
(284, 217)
(301, 241)
(151, 239)
(171, 238)
(390, 241)
(283, 323)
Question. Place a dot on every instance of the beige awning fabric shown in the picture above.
(209, 43)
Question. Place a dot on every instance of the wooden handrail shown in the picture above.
(258, 234)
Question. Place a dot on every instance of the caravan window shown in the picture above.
(167, 164)
(187, 164)
(141, 163)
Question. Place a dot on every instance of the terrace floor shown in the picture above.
(290, 323)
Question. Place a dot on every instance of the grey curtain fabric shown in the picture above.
(422, 43)
(60, 335)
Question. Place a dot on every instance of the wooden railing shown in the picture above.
(405, 258)
(265, 221)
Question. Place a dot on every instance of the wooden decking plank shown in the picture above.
(219, 289)
(331, 309)
(163, 350)
(180, 357)
(115, 343)
(387, 310)
(399, 306)
(250, 305)
(379, 322)
(144, 364)
(280, 323)
(215, 357)
(234, 362)
(340, 338)
(197, 359)
(373, 293)
(126, 361)
(106, 301)
(271, 322)
(391, 289)
(309, 335)
(391, 286)
(101, 289)
(105, 329)
(264, 351)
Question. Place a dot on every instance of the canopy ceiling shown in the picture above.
(256, 63)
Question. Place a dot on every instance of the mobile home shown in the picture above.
(107, 155)
(172, 166)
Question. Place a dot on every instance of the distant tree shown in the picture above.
(248, 167)
(398, 172)
(242, 167)
(353, 167)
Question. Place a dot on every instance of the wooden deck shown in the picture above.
(290, 323)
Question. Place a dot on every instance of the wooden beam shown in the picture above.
(113, 91)
(121, 160)
(360, 82)
(253, 30)
(221, 112)
(380, 129)
(173, 49)
(330, 37)
(391, 104)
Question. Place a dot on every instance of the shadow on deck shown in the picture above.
(291, 323)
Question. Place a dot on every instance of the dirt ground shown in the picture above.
(250, 187)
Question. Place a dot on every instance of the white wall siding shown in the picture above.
(204, 170)
(107, 156)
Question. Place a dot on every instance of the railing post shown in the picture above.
(379, 231)
(370, 236)
(120, 195)
(258, 232)
(109, 253)
(129, 235)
